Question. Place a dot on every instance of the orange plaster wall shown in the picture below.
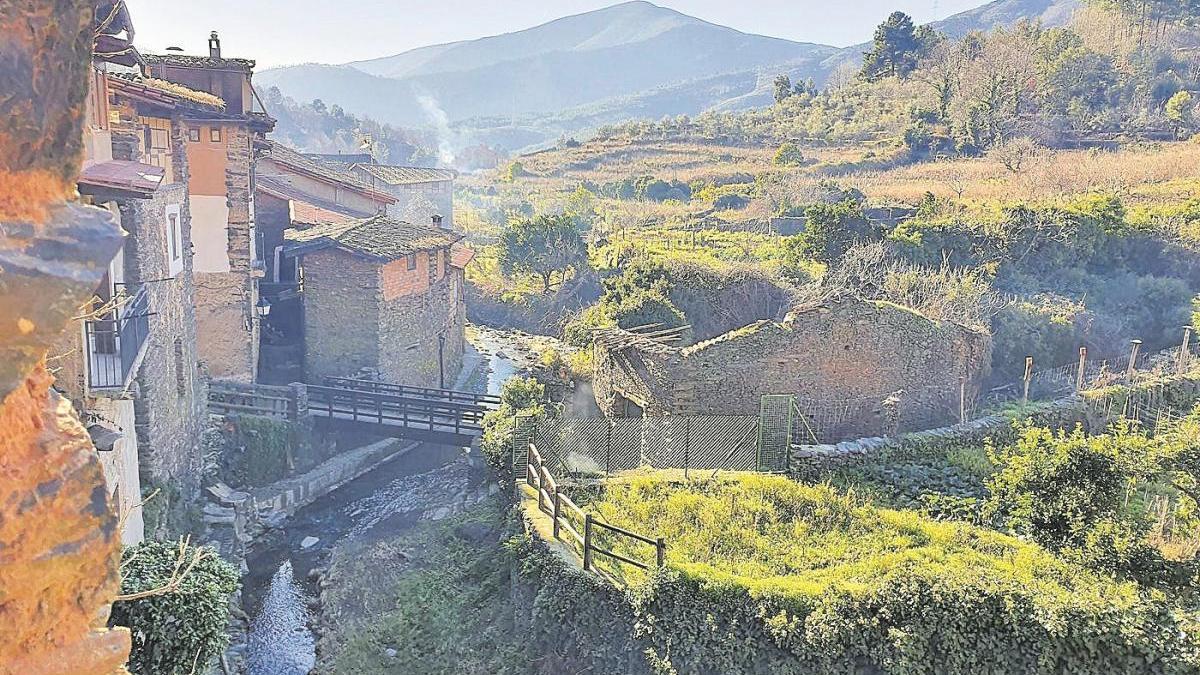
(207, 162)
(397, 281)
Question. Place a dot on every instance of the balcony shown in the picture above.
(115, 343)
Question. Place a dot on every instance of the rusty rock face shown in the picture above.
(59, 545)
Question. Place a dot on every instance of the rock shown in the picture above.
(473, 532)
(309, 542)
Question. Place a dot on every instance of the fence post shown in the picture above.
(608, 447)
(587, 542)
(1185, 349)
(557, 510)
(1027, 377)
(1082, 369)
(687, 445)
(298, 405)
(962, 399)
(661, 551)
(1135, 345)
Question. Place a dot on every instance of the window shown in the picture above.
(214, 134)
(174, 241)
(412, 261)
(194, 135)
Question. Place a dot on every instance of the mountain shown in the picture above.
(617, 51)
(626, 61)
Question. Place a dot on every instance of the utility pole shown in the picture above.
(441, 361)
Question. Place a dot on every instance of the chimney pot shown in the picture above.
(214, 45)
(437, 221)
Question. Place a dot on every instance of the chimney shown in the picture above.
(214, 46)
(437, 221)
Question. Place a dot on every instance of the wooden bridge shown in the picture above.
(431, 415)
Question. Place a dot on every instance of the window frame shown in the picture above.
(193, 135)
(411, 262)
(214, 134)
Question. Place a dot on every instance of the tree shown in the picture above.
(542, 246)
(783, 88)
(789, 154)
(830, 230)
(897, 47)
(1179, 111)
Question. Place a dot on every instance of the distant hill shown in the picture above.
(627, 61)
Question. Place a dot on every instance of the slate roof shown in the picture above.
(279, 187)
(284, 155)
(377, 237)
(185, 61)
(461, 256)
(406, 175)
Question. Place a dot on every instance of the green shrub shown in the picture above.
(1049, 328)
(789, 154)
(178, 632)
(831, 229)
(518, 396)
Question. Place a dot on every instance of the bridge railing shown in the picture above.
(236, 398)
(410, 412)
(488, 400)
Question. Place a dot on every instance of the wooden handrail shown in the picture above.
(552, 500)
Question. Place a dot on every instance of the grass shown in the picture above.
(777, 537)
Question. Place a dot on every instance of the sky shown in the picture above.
(282, 32)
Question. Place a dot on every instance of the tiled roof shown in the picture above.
(185, 61)
(406, 175)
(284, 155)
(378, 237)
(461, 256)
(133, 84)
(306, 213)
(279, 187)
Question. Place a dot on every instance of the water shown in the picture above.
(388, 500)
(280, 641)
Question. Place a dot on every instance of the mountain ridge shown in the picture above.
(631, 56)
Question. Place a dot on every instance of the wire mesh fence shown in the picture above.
(599, 445)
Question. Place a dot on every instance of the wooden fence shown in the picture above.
(235, 398)
(568, 517)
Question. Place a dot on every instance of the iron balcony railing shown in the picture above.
(115, 343)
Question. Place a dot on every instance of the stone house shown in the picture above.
(421, 193)
(857, 368)
(381, 298)
(130, 364)
(221, 147)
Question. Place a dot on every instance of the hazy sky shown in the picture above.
(277, 32)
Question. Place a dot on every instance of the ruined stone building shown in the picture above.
(381, 298)
(857, 368)
(221, 146)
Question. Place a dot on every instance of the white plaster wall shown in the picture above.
(210, 233)
(121, 466)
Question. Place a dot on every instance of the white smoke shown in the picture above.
(441, 124)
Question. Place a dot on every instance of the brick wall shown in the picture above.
(845, 351)
(341, 314)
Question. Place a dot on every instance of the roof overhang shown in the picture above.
(376, 195)
(121, 178)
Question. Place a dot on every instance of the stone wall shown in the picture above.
(170, 395)
(59, 546)
(410, 325)
(341, 315)
(846, 353)
(228, 330)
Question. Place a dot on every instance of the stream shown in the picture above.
(278, 589)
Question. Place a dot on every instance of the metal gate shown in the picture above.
(776, 420)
